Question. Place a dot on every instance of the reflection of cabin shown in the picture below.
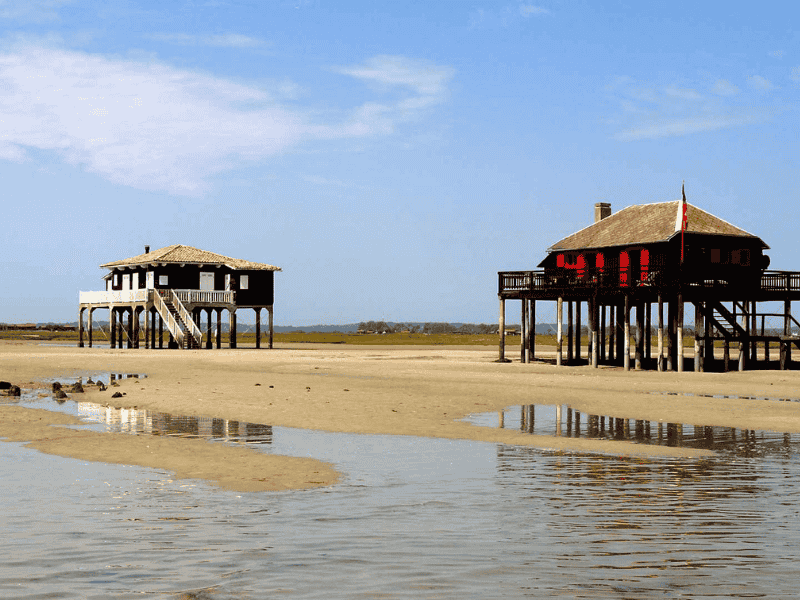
(172, 287)
(667, 252)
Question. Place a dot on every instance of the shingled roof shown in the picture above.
(648, 224)
(187, 254)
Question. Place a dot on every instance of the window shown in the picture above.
(244, 282)
(116, 279)
(624, 264)
(163, 280)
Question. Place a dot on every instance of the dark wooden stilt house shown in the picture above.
(667, 253)
(172, 287)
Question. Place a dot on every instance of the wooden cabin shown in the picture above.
(173, 286)
(662, 253)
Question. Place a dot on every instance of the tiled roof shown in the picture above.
(187, 254)
(647, 224)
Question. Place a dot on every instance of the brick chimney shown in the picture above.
(601, 211)
(147, 249)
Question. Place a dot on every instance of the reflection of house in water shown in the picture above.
(662, 254)
(565, 422)
(140, 421)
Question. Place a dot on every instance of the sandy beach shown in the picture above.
(418, 390)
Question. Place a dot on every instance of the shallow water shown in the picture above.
(413, 518)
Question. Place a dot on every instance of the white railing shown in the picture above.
(114, 297)
(187, 319)
(205, 296)
(172, 324)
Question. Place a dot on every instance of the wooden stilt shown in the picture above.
(161, 332)
(620, 327)
(639, 353)
(612, 335)
(209, 330)
(232, 325)
(153, 316)
(258, 328)
(523, 333)
(80, 326)
(660, 365)
(594, 317)
(502, 331)
(726, 355)
(90, 327)
(648, 333)
(602, 340)
(269, 310)
(708, 341)
(680, 332)
(532, 342)
(626, 352)
(146, 314)
(698, 333)
(570, 334)
(578, 331)
(559, 330)
(130, 328)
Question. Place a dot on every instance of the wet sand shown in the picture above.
(400, 390)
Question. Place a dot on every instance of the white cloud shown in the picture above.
(152, 126)
(423, 77)
(759, 82)
(795, 74)
(36, 11)
(777, 53)
(722, 87)
(683, 93)
(661, 128)
(645, 112)
(526, 10)
(228, 40)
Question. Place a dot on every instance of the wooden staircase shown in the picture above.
(178, 320)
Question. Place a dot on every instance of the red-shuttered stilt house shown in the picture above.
(667, 253)
(172, 287)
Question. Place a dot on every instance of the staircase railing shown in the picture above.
(187, 319)
(172, 325)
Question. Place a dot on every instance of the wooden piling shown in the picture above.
(626, 355)
(570, 334)
(680, 332)
(698, 326)
(502, 331)
(559, 330)
(660, 366)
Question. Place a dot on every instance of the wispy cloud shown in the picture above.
(650, 112)
(227, 40)
(723, 87)
(528, 10)
(36, 11)
(415, 85)
(679, 127)
(760, 83)
(795, 74)
(152, 126)
(776, 53)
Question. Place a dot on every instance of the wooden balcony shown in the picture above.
(187, 297)
(773, 285)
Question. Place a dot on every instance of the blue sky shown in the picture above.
(390, 157)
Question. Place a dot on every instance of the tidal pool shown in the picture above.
(413, 518)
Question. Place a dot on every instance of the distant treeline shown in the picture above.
(465, 328)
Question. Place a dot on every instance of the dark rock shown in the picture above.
(101, 386)
(89, 381)
(14, 391)
(60, 394)
(76, 388)
(56, 386)
(116, 395)
(5, 385)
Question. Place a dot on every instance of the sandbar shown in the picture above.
(402, 390)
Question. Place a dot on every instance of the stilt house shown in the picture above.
(173, 286)
(663, 253)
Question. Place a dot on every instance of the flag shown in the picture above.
(684, 218)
